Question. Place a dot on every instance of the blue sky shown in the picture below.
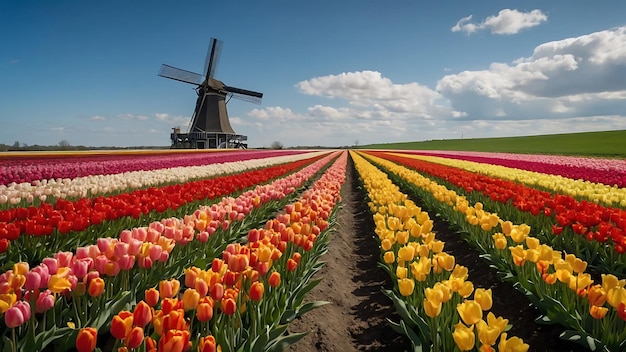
(333, 73)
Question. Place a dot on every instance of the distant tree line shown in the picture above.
(62, 145)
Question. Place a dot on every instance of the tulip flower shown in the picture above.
(96, 287)
(291, 264)
(17, 315)
(598, 312)
(483, 297)
(151, 297)
(86, 339)
(175, 341)
(389, 257)
(134, 338)
(432, 308)
(121, 324)
(169, 288)
(464, 337)
(207, 344)
(191, 297)
(256, 291)
(274, 279)
(406, 286)
(228, 306)
(487, 335)
(142, 315)
(204, 311)
(514, 344)
(470, 312)
(621, 310)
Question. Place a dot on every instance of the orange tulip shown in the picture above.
(291, 264)
(86, 339)
(152, 297)
(121, 324)
(96, 287)
(204, 311)
(256, 291)
(207, 344)
(169, 288)
(175, 341)
(598, 312)
(229, 306)
(175, 320)
(274, 279)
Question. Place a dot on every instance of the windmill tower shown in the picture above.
(210, 127)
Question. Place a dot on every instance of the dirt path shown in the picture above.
(356, 318)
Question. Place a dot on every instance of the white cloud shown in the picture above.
(581, 76)
(178, 120)
(133, 117)
(97, 118)
(369, 89)
(507, 21)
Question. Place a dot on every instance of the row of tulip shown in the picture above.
(598, 170)
(137, 260)
(432, 293)
(29, 169)
(92, 218)
(589, 230)
(245, 299)
(580, 189)
(32, 193)
(556, 282)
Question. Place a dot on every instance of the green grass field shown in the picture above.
(598, 144)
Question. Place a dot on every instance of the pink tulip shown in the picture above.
(52, 264)
(103, 244)
(134, 246)
(64, 258)
(33, 280)
(45, 301)
(126, 262)
(44, 275)
(152, 235)
(100, 263)
(82, 252)
(81, 267)
(164, 256)
(155, 252)
(17, 314)
(126, 235)
(145, 262)
(202, 237)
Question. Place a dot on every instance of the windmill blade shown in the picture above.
(242, 94)
(180, 75)
(212, 57)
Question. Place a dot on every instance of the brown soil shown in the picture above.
(356, 318)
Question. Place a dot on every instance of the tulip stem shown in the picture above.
(13, 341)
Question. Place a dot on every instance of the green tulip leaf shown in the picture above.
(584, 340)
(309, 306)
(282, 342)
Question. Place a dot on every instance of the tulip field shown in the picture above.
(186, 250)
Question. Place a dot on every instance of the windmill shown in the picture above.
(209, 127)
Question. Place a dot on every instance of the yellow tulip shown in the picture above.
(499, 240)
(416, 230)
(402, 237)
(609, 281)
(433, 295)
(389, 257)
(615, 296)
(436, 246)
(445, 261)
(514, 344)
(517, 235)
(545, 253)
(460, 272)
(470, 312)
(406, 253)
(466, 289)
(420, 269)
(532, 255)
(423, 250)
(497, 322)
(406, 286)
(507, 227)
(487, 335)
(580, 281)
(386, 244)
(483, 297)
(532, 242)
(563, 276)
(401, 272)
(464, 337)
(432, 308)
(445, 289)
(519, 255)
